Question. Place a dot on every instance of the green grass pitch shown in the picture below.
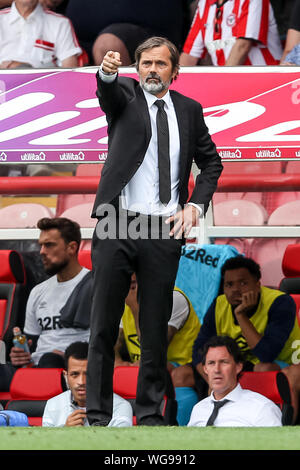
(150, 438)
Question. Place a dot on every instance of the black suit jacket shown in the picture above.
(129, 133)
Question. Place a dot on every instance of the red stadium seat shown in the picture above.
(84, 258)
(81, 214)
(248, 168)
(287, 214)
(31, 388)
(65, 201)
(292, 167)
(273, 385)
(125, 385)
(251, 196)
(268, 253)
(291, 261)
(291, 270)
(23, 215)
(239, 212)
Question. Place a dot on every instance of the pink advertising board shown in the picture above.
(54, 115)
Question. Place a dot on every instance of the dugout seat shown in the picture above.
(31, 388)
(125, 385)
(273, 385)
(291, 270)
(290, 283)
(291, 261)
(268, 253)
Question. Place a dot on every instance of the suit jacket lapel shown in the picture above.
(144, 113)
(183, 126)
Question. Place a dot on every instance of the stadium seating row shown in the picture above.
(233, 212)
(239, 212)
(14, 289)
(269, 200)
(31, 388)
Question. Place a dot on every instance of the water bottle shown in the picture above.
(19, 339)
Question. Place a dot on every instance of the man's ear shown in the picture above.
(73, 247)
(239, 368)
(66, 378)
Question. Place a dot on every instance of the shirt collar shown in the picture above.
(216, 3)
(152, 98)
(14, 14)
(234, 395)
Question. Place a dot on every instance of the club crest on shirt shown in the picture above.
(231, 20)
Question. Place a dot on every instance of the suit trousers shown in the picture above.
(155, 262)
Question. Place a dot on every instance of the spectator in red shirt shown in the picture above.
(236, 32)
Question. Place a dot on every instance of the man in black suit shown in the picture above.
(130, 202)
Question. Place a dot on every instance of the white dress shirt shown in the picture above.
(141, 194)
(58, 409)
(245, 408)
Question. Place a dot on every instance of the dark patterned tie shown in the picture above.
(163, 153)
(217, 406)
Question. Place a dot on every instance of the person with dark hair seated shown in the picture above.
(68, 408)
(262, 320)
(229, 404)
(53, 319)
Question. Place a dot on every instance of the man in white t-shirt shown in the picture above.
(44, 327)
(33, 37)
(229, 405)
(68, 408)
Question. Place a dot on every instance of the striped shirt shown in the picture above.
(43, 39)
(215, 30)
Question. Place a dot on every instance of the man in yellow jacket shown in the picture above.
(262, 321)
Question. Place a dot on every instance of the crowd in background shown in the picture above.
(259, 32)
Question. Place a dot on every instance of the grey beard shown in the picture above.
(154, 88)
